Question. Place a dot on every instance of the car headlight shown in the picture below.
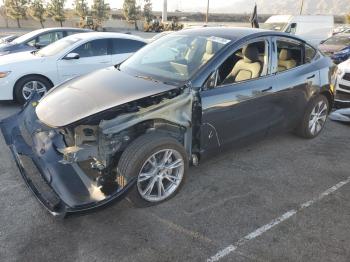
(4, 53)
(4, 74)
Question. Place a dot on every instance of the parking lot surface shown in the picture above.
(223, 200)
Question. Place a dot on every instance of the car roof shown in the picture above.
(234, 33)
(43, 30)
(99, 35)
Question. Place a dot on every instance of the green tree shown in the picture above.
(131, 12)
(37, 11)
(147, 10)
(81, 8)
(16, 9)
(100, 11)
(55, 10)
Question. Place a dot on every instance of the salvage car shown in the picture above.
(133, 129)
(337, 47)
(21, 74)
(342, 97)
(38, 39)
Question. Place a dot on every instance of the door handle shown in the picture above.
(310, 77)
(267, 89)
(104, 62)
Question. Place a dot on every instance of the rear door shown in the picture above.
(93, 55)
(296, 78)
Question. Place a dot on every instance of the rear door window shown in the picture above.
(122, 46)
(290, 54)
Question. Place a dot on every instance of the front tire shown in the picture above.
(26, 86)
(314, 118)
(159, 163)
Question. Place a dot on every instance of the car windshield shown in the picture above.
(57, 46)
(273, 26)
(24, 38)
(174, 57)
(338, 40)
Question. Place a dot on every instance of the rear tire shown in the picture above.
(144, 159)
(29, 84)
(314, 118)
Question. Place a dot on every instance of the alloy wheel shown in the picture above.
(31, 87)
(318, 117)
(160, 175)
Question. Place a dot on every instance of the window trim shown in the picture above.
(267, 39)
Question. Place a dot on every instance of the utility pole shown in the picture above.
(206, 17)
(301, 7)
(165, 11)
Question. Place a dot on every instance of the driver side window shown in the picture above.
(247, 63)
(92, 48)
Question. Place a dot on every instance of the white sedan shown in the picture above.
(21, 74)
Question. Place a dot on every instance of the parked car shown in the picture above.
(38, 39)
(135, 127)
(7, 39)
(337, 47)
(343, 84)
(21, 74)
(341, 29)
(313, 28)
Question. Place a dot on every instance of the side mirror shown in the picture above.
(39, 45)
(71, 56)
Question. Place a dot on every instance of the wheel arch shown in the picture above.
(29, 75)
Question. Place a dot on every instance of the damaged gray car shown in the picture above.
(133, 129)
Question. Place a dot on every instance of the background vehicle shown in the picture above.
(184, 97)
(337, 47)
(38, 39)
(313, 28)
(343, 84)
(7, 39)
(21, 74)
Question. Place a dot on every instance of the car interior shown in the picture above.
(289, 55)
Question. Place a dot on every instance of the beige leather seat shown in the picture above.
(247, 68)
(285, 60)
(209, 52)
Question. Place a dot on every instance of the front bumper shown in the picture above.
(62, 188)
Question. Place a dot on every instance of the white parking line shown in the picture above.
(231, 248)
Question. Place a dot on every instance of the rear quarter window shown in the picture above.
(122, 46)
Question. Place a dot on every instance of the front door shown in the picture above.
(240, 106)
(93, 55)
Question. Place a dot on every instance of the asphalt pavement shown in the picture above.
(281, 199)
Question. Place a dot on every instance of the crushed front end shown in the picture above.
(65, 179)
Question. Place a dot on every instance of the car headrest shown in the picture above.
(209, 49)
(250, 53)
(285, 55)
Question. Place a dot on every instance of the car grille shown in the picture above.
(346, 77)
(344, 87)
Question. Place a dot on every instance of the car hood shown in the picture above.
(20, 57)
(330, 49)
(93, 93)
